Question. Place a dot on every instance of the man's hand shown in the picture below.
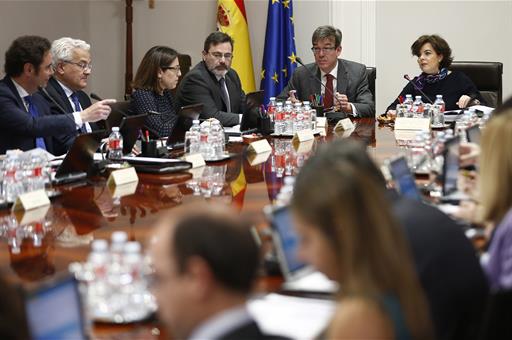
(97, 111)
(341, 103)
(292, 97)
(463, 101)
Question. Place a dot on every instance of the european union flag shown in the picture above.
(279, 57)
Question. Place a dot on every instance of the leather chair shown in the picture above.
(185, 65)
(487, 76)
(372, 76)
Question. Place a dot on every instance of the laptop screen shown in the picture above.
(404, 179)
(286, 241)
(474, 134)
(451, 166)
(55, 312)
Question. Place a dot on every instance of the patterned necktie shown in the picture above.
(224, 94)
(32, 109)
(328, 100)
(76, 103)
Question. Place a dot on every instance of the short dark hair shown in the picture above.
(226, 244)
(154, 59)
(216, 38)
(438, 44)
(26, 49)
(327, 31)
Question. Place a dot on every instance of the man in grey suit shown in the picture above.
(213, 83)
(346, 81)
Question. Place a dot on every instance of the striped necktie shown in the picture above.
(32, 109)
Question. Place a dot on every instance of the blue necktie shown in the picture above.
(32, 109)
(76, 103)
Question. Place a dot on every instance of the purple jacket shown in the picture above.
(499, 265)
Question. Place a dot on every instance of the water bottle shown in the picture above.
(408, 104)
(206, 148)
(417, 107)
(35, 179)
(115, 145)
(309, 116)
(12, 185)
(192, 138)
(417, 153)
(297, 117)
(271, 108)
(288, 110)
(218, 139)
(279, 122)
(439, 101)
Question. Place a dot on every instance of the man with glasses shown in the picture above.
(345, 84)
(213, 83)
(72, 67)
(27, 121)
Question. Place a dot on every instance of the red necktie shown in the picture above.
(328, 100)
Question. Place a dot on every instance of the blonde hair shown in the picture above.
(496, 168)
(346, 202)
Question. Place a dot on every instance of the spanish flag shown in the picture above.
(232, 20)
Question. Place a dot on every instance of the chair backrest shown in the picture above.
(498, 314)
(119, 110)
(185, 65)
(372, 76)
(487, 76)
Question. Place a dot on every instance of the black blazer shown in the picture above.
(18, 129)
(200, 86)
(64, 142)
(250, 331)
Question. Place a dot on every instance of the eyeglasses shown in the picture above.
(176, 68)
(317, 50)
(83, 66)
(218, 55)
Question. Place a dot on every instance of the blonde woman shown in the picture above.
(347, 232)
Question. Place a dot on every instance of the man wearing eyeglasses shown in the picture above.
(345, 84)
(213, 83)
(64, 92)
(26, 119)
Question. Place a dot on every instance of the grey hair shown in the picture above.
(62, 49)
(327, 31)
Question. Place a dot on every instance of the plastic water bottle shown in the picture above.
(192, 138)
(12, 185)
(439, 101)
(408, 104)
(309, 116)
(288, 110)
(35, 179)
(206, 148)
(279, 122)
(297, 117)
(271, 108)
(417, 107)
(115, 145)
(217, 139)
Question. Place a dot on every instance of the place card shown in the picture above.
(344, 124)
(303, 136)
(197, 173)
(258, 158)
(321, 122)
(196, 159)
(28, 216)
(417, 124)
(122, 190)
(31, 200)
(303, 148)
(122, 176)
(343, 133)
(259, 146)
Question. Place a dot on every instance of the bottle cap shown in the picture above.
(99, 246)
(132, 247)
(119, 237)
(115, 128)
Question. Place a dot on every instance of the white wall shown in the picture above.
(475, 31)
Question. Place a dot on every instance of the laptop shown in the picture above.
(130, 129)
(450, 174)
(474, 134)
(80, 157)
(404, 179)
(298, 275)
(54, 310)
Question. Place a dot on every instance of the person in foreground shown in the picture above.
(346, 80)
(495, 181)
(205, 261)
(347, 232)
(434, 58)
(27, 121)
(213, 83)
(157, 75)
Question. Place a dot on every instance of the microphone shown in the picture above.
(95, 96)
(406, 76)
(48, 96)
(318, 80)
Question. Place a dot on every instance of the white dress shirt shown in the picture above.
(68, 93)
(334, 73)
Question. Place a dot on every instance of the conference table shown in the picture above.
(83, 212)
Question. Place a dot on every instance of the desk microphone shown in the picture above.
(95, 96)
(406, 77)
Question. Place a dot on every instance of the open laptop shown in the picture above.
(54, 310)
(450, 174)
(404, 179)
(474, 134)
(130, 129)
(298, 275)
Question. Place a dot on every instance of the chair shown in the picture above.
(119, 110)
(498, 314)
(487, 76)
(185, 64)
(372, 76)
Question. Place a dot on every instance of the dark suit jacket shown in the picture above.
(249, 331)
(447, 266)
(352, 81)
(63, 142)
(200, 86)
(18, 129)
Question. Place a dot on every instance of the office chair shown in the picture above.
(372, 76)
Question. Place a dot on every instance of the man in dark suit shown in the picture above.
(213, 83)
(205, 261)
(26, 120)
(346, 81)
(64, 93)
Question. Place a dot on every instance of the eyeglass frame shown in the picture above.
(220, 55)
(176, 68)
(317, 50)
(82, 65)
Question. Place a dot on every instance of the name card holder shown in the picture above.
(344, 124)
(259, 146)
(417, 124)
(303, 136)
(255, 158)
(321, 122)
(122, 176)
(196, 160)
(29, 216)
(31, 200)
(123, 190)
(304, 148)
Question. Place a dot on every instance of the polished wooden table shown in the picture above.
(39, 250)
